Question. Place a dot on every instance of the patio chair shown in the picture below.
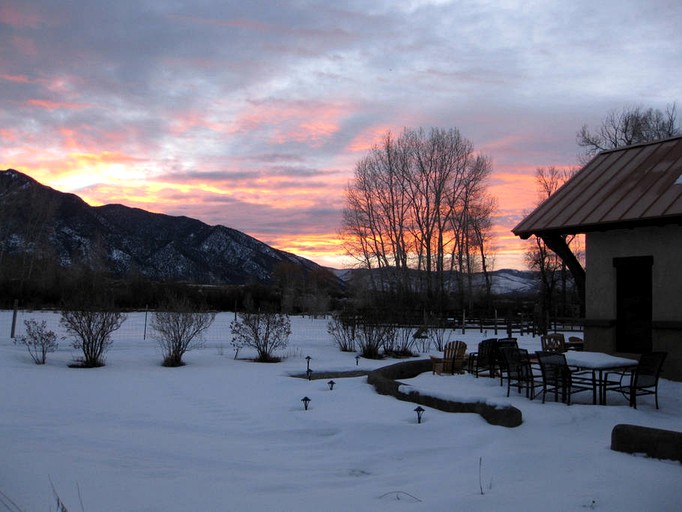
(559, 378)
(519, 371)
(484, 359)
(499, 362)
(575, 343)
(553, 342)
(454, 357)
(641, 379)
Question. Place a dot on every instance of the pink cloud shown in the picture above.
(293, 122)
(57, 105)
(20, 15)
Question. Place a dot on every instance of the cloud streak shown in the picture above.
(253, 114)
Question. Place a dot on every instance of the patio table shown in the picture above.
(598, 363)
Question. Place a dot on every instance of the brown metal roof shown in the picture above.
(626, 187)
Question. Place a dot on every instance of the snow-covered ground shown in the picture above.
(221, 434)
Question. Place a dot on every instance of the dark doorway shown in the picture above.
(633, 304)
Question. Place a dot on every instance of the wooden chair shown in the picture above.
(553, 343)
(454, 357)
(640, 380)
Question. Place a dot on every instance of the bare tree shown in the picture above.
(178, 328)
(410, 207)
(92, 331)
(630, 125)
(551, 269)
(38, 340)
(264, 331)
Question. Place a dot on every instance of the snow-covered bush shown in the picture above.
(265, 332)
(38, 340)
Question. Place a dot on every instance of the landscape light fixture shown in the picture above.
(307, 362)
(305, 401)
(331, 384)
(309, 373)
(419, 410)
(357, 360)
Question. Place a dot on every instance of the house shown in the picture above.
(628, 203)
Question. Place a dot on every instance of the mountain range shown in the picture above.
(123, 240)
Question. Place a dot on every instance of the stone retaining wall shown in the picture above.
(385, 382)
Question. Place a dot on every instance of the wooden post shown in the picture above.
(464, 321)
(495, 322)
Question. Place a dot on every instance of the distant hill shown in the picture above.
(505, 282)
(124, 241)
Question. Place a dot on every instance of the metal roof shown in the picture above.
(626, 187)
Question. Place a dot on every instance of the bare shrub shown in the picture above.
(403, 342)
(342, 331)
(265, 332)
(92, 331)
(38, 340)
(440, 336)
(371, 338)
(178, 328)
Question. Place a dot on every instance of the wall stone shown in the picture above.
(654, 442)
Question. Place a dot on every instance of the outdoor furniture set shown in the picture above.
(556, 370)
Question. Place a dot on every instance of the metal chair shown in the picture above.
(640, 380)
(519, 371)
(499, 362)
(559, 378)
(483, 360)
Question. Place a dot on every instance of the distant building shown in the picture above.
(628, 202)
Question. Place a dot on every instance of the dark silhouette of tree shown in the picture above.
(628, 126)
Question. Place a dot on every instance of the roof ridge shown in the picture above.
(640, 144)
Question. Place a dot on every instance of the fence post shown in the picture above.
(14, 317)
(495, 321)
(146, 309)
(464, 321)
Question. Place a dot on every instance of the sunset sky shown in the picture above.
(253, 114)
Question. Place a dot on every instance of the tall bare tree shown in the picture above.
(411, 205)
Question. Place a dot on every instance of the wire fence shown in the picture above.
(136, 327)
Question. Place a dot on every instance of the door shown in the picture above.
(633, 303)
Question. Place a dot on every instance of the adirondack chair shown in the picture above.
(553, 342)
(453, 358)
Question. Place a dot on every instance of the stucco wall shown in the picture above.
(665, 245)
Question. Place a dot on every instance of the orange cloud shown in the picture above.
(368, 138)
